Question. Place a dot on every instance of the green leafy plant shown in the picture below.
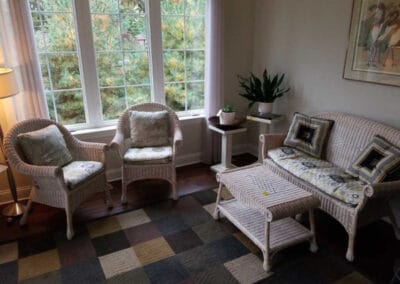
(228, 108)
(266, 90)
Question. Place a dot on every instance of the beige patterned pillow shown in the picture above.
(149, 129)
(45, 147)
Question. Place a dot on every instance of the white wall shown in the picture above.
(307, 40)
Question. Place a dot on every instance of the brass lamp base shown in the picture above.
(14, 209)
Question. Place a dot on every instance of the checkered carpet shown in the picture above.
(164, 243)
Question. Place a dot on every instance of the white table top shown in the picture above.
(227, 132)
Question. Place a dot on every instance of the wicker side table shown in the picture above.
(263, 206)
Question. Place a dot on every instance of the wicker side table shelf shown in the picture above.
(263, 206)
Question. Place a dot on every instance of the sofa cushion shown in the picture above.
(376, 162)
(149, 129)
(45, 147)
(282, 153)
(308, 134)
(77, 172)
(322, 174)
(301, 164)
(148, 155)
(337, 183)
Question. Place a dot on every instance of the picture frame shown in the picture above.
(373, 53)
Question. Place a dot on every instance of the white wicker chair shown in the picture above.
(131, 171)
(50, 187)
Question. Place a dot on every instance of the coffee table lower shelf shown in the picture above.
(283, 233)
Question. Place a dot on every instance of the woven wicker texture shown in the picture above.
(267, 192)
(49, 185)
(121, 143)
(349, 136)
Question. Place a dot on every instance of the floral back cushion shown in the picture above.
(45, 147)
(149, 129)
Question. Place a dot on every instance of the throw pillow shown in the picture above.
(149, 129)
(379, 161)
(45, 147)
(308, 134)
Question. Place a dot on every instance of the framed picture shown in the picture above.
(373, 53)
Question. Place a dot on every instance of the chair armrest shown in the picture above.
(382, 189)
(271, 141)
(89, 151)
(178, 137)
(38, 171)
(118, 144)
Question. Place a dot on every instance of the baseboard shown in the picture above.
(22, 193)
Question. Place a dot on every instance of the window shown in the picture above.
(99, 56)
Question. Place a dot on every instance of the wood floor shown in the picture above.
(44, 219)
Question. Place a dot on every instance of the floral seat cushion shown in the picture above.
(337, 183)
(322, 174)
(149, 155)
(77, 172)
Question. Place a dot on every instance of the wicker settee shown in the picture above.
(349, 136)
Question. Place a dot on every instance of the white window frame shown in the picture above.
(88, 65)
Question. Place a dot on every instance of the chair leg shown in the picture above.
(25, 215)
(350, 247)
(123, 195)
(70, 228)
(174, 193)
(109, 201)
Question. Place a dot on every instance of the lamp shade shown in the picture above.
(8, 84)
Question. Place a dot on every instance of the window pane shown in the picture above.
(122, 54)
(113, 101)
(195, 65)
(195, 95)
(172, 32)
(183, 34)
(132, 6)
(195, 8)
(175, 96)
(106, 32)
(138, 95)
(174, 66)
(110, 69)
(172, 7)
(136, 68)
(56, 44)
(133, 35)
(69, 106)
(64, 70)
(194, 33)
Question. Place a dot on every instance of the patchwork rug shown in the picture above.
(169, 242)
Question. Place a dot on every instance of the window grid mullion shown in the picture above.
(123, 58)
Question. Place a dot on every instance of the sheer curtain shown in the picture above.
(213, 100)
(19, 53)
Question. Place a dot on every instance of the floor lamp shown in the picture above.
(8, 88)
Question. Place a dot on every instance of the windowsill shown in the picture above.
(107, 131)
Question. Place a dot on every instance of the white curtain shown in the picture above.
(19, 53)
(213, 100)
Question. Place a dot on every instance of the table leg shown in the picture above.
(216, 210)
(226, 154)
(313, 242)
(263, 129)
(266, 264)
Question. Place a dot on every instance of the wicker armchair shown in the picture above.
(50, 187)
(146, 169)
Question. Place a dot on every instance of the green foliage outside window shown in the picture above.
(122, 55)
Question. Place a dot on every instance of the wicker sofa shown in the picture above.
(348, 137)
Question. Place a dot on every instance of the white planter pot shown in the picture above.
(265, 107)
(227, 118)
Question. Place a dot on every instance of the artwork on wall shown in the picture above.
(373, 53)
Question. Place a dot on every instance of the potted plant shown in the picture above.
(227, 115)
(263, 92)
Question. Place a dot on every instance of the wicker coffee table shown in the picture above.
(263, 206)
